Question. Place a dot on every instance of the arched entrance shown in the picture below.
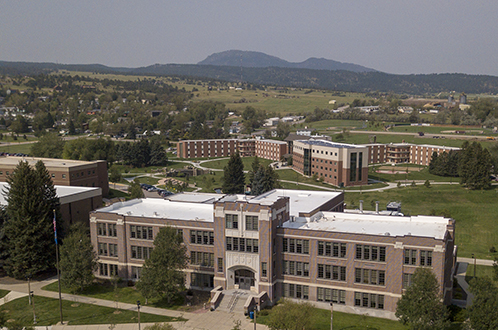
(244, 278)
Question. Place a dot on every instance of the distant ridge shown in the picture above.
(250, 59)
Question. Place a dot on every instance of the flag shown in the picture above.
(55, 229)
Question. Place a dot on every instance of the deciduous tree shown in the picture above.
(483, 311)
(49, 146)
(289, 315)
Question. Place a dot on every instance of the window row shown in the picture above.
(202, 237)
(204, 259)
(107, 229)
(296, 268)
(110, 250)
(201, 280)
(296, 245)
(331, 295)
(329, 272)
(369, 300)
(373, 253)
(232, 222)
(140, 252)
(141, 232)
(425, 258)
(295, 291)
(242, 244)
(332, 249)
(108, 270)
(370, 276)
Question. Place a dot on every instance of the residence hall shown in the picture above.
(284, 243)
(64, 172)
(267, 149)
(75, 202)
(398, 153)
(338, 164)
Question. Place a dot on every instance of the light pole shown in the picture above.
(138, 309)
(33, 301)
(331, 316)
(255, 311)
(473, 257)
(29, 288)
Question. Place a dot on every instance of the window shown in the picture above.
(370, 276)
(103, 270)
(113, 269)
(231, 221)
(425, 258)
(220, 265)
(53, 175)
(292, 245)
(407, 280)
(369, 300)
(113, 250)
(373, 253)
(332, 249)
(296, 268)
(102, 249)
(330, 272)
(101, 229)
(204, 259)
(135, 272)
(140, 252)
(112, 230)
(264, 269)
(251, 222)
(141, 232)
(201, 280)
(295, 291)
(202, 237)
(242, 244)
(331, 295)
(411, 257)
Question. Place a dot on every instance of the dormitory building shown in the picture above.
(284, 243)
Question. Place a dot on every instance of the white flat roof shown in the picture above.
(301, 201)
(422, 226)
(49, 162)
(66, 194)
(195, 197)
(161, 208)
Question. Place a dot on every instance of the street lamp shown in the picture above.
(138, 309)
(331, 315)
(473, 257)
(255, 311)
(28, 277)
(33, 300)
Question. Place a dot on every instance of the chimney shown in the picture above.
(377, 207)
(361, 206)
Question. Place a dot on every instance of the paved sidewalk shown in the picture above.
(482, 262)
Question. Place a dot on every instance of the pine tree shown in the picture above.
(29, 234)
(77, 259)
(255, 166)
(158, 155)
(233, 176)
(265, 179)
(475, 166)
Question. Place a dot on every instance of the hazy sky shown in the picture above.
(395, 36)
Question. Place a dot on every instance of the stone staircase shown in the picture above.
(233, 301)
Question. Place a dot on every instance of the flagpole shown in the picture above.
(58, 270)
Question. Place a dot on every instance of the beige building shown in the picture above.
(399, 153)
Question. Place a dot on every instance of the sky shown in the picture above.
(394, 36)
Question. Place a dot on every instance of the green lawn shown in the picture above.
(474, 211)
(147, 180)
(481, 271)
(47, 313)
(17, 148)
(116, 193)
(3, 293)
(247, 161)
(343, 321)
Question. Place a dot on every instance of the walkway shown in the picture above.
(201, 319)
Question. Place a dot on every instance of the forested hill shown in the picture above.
(307, 78)
(250, 59)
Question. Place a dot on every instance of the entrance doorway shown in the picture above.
(244, 278)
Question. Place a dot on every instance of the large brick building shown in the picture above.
(337, 163)
(64, 172)
(284, 243)
(267, 149)
(397, 153)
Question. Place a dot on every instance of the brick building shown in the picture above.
(267, 149)
(397, 153)
(64, 172)
(337, 163)
(284, 243)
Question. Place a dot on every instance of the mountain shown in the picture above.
(249, 59)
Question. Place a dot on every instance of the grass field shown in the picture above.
(3, 293)
(47, 313)
(474, 211)
(481, 271)
(17, 148)
(247, 161)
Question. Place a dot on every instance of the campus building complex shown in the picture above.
(284, 243)
(397, 153)
(267, 149)
(336, 163)
(64, 172)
